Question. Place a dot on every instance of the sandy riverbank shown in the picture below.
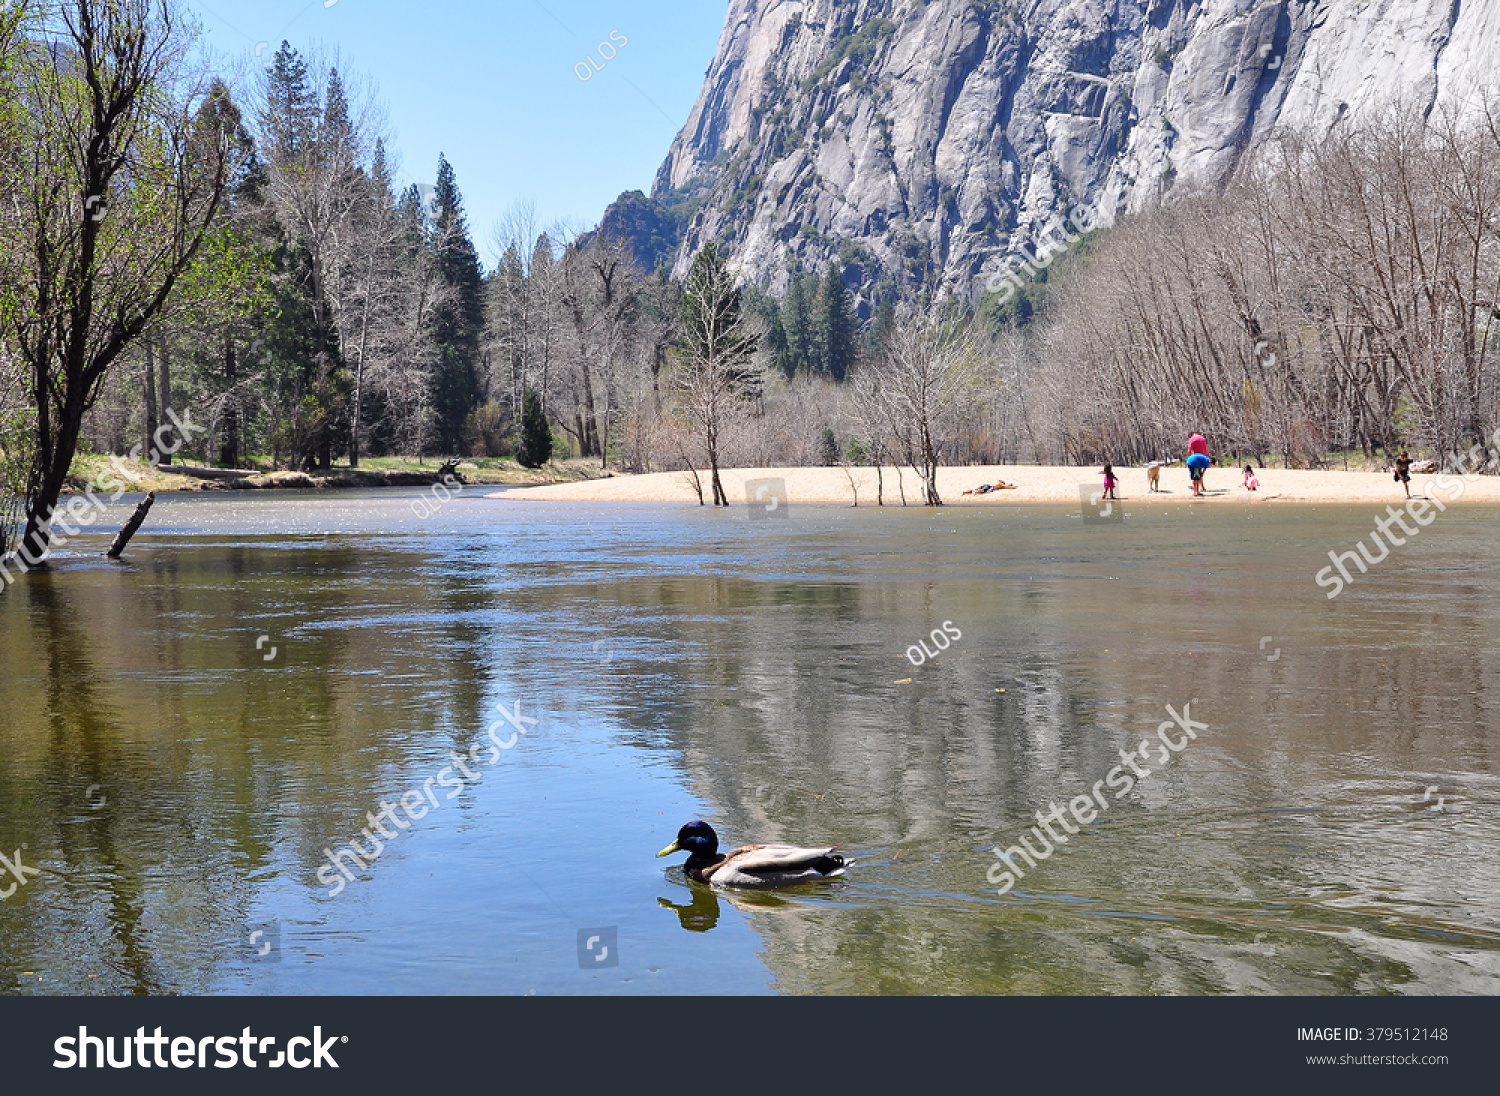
(1034, 484)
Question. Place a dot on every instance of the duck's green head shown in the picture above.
(696, 838)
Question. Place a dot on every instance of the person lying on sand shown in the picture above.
(985, 488)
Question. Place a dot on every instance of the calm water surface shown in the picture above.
(178, 779)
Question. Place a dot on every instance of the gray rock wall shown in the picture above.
(933, 140)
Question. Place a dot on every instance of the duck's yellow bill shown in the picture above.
(669, 850)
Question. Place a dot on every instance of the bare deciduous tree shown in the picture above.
(717, 372)
(114, 178)
(1342, 294)
(929, 376)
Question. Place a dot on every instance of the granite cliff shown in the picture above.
(925, 142)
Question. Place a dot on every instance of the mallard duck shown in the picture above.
(760, 866)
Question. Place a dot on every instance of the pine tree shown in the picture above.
(834, 326)
(535, 449)
(337, 128)
(777, 345)
(879, 331)
(291, 112)
(828, 447)
(458, 320)
(796, 320)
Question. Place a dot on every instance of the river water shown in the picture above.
(187, 735)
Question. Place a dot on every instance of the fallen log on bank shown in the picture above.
(301, 481)
(131, 526)
(198, 472)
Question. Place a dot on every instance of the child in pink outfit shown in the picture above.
(1250, 482)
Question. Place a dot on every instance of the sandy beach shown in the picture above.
(1035, 484)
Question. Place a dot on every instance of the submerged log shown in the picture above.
(131, 526)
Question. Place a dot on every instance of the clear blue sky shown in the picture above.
(492, 85)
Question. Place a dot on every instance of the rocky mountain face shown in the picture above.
(927, 142)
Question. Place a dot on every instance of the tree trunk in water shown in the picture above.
(49, 475)
(118, 547)
(720, 498)
(853, 486)
(165, 375)
(929, 471)
(151, 417)
(229, 452)
(697, 482)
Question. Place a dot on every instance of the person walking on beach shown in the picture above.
(1153, 475)
(1403, 471)
(1198, 462)
(1109, 481)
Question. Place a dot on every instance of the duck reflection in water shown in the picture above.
(702, 913)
